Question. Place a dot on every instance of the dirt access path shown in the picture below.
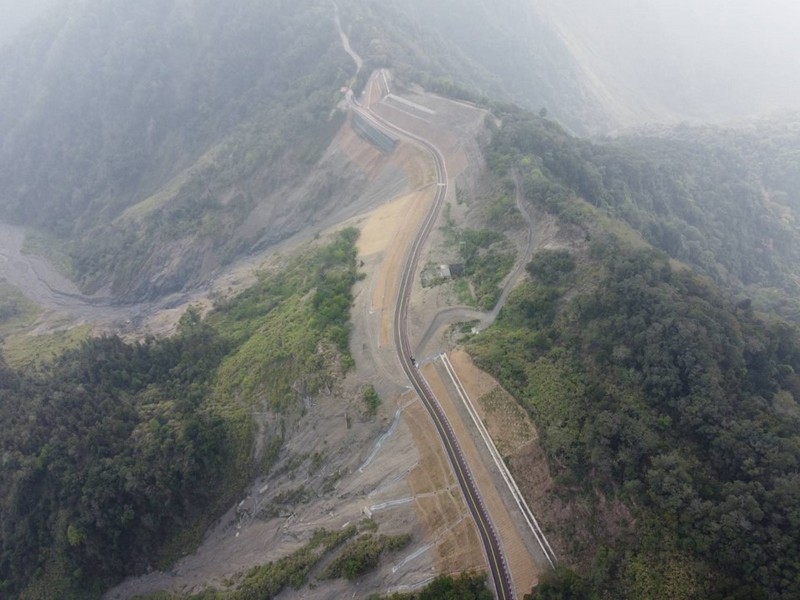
(430, 342)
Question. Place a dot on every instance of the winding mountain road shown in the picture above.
(498, 568)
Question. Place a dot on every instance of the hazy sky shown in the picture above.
(681, 56)
(700, 58)
(15, 14)
(761, 27)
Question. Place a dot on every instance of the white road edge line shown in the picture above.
(386, 82)
(407, 102)
(530, 519)
(405, 112)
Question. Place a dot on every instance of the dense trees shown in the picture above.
(362, 555)
(114, 449)
(467, 586)
(652, 386)
(669, 398)
(107, 456)
(723, 201)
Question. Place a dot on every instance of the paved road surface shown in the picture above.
(498, 569)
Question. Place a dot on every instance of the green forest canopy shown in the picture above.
(116, 453)
(652, 386)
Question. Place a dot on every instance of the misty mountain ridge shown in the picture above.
(199, 110)
(601, 67)
(195, 113)
(651, 336)
(17, 16)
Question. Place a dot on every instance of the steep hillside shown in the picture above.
(668, 409)
(149, 145)
(722, 200)
(143, 136)
(118, 456)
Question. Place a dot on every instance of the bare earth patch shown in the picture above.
(508, 423)
(440, 506)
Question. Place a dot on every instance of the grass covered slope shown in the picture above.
(117, 456)
(16, 311)
(652, 389)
